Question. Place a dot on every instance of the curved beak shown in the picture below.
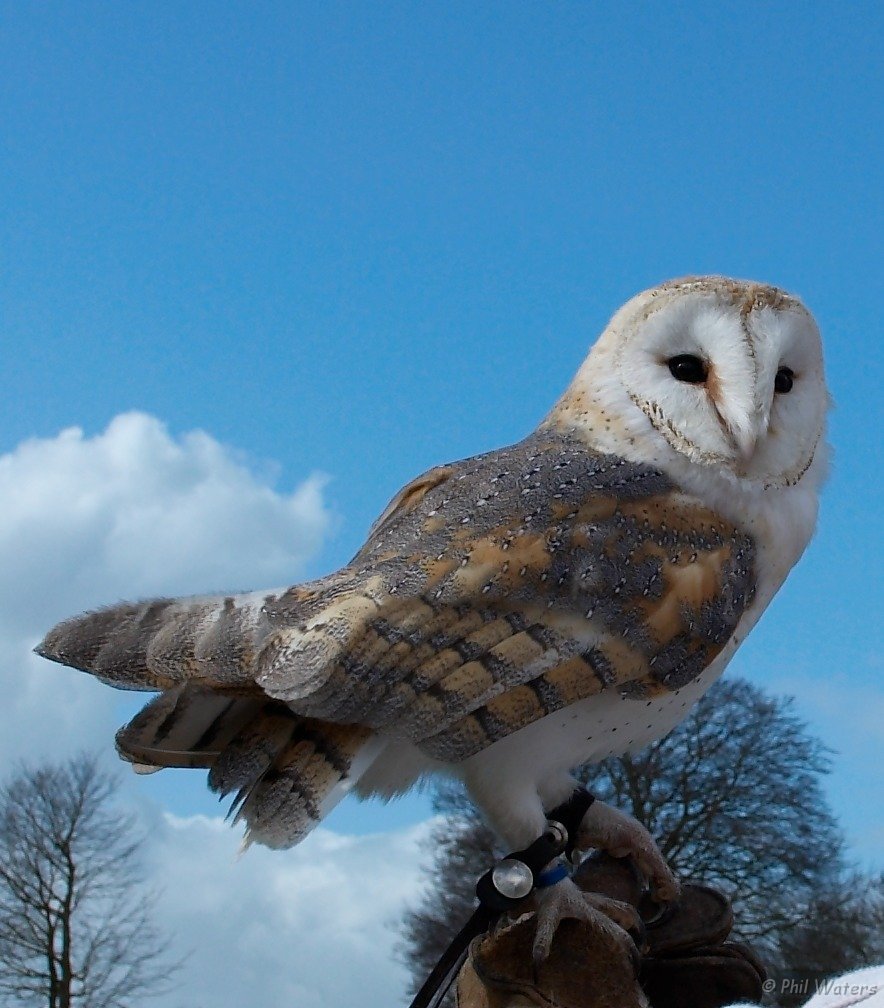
(745, 441)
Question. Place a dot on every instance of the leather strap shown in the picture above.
(560, 837)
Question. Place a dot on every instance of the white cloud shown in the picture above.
(314, 927)
(128, 513)
(133, 512)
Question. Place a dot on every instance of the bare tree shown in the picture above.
(733, 795)
(75, 924)
(842, 929)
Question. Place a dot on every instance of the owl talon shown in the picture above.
(611, 830)
(566, 900)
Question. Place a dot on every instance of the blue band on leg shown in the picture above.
(552, 876)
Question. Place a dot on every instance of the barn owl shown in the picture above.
(518, 613)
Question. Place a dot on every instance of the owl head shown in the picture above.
(721, 374)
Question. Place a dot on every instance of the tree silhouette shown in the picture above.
(75, 923)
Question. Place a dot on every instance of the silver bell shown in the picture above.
(512, 878)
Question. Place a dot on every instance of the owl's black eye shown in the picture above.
(784, 380)
(687, 368)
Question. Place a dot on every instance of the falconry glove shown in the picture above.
(685, 962)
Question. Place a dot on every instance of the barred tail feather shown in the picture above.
(188, 726)
(318, 767)
(290, 637)
(157, 644)
(285, 772)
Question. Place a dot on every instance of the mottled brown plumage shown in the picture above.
(467, 615)
(510, 612)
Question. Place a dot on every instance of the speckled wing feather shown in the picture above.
(500, 589)
(490, 593)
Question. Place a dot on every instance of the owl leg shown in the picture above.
(516, 813)
(611, 830)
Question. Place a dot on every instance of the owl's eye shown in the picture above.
(687, 368)
(784, 380)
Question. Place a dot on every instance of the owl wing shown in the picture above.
(497, 590)
(490, 593)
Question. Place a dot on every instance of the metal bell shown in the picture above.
(512, 878)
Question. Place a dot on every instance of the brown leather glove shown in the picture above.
(685, 961)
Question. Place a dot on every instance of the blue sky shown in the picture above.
(361, 239)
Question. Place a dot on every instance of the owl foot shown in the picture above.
(611, 830)
(606, 915)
